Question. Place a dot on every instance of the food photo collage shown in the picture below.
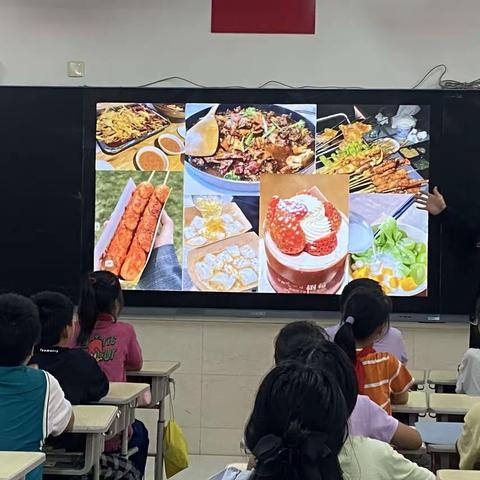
(267, 198)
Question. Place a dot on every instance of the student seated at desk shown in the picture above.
(32, 404)
(113, 344)
(301, 340)
(468, 379)
(78, 373)
(380, 375)
(392, 340)
(298, 429)
(468, 444)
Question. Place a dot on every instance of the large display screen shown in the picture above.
(262, 198)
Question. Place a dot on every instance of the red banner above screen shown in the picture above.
(263, 16)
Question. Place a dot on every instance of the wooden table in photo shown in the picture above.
(16, 465)
(439, 379)
(125, 397)
(157, 375)
(124, 159)
(93, 422)
(417, 405)
(450, 406)
(458, 475)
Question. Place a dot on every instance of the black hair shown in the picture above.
(368, 309)
(56, 313)
(367, 283)
(19, 329)
(295, 403)
(100, 292)
(293, 336)
(328, 356)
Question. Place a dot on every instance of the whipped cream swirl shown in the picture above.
(316, 224)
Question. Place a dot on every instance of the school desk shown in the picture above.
(93, 422)
(447, 406)
(443, 456)
(442, 381)
(458, 475)
(16, 465)
(157, 375)
(419, 376)
(419, 451)
(441, 438)
(125, 397)
(417, 405)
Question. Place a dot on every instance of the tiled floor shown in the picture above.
(202, 467)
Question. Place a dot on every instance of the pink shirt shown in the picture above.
(115, 347)
(372, 421)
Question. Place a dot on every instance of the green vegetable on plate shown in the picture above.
(391, 240)
(231, 176)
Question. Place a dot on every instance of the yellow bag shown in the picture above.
(175, 449)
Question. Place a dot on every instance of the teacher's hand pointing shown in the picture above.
(433, 203)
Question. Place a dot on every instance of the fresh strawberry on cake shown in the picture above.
(303, 223)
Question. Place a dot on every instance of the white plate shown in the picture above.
(418, 236)
(182, 131)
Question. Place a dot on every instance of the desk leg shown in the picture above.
(125, 432)
(96, 460)
(160, 430)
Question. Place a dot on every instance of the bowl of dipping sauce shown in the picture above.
(149, 159)
(171, 144)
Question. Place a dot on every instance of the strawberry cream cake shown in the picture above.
(306, 244)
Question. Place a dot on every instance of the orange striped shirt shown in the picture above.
(385, 375)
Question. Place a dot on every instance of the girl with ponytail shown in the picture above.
(392, 341)
(112, 343)
(380, 375)
(100, 294)
(298, 428)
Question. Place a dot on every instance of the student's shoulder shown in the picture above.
(473, 414)
(394, 333)
(332, 331)
(78, 355)
(35, 375)
(377, 358)
(368, 407)
(472, 354)
(357, 448)
(53, 384)
(124, 327)
(364, 401)
(357, 454)
(362, 450)
(384, 357)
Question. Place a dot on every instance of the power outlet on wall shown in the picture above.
(76, 69)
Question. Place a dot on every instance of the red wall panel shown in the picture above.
(263, 16)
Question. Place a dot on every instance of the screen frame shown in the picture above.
(257, 301)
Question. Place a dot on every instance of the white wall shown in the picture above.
(223, 362)
(368, 43)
